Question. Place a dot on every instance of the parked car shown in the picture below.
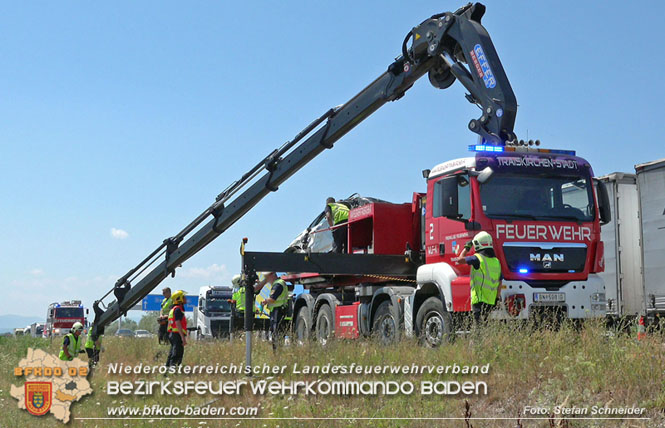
(124, 332)
(317, 238)
(143, 334)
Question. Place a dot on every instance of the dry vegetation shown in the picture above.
(570, 367)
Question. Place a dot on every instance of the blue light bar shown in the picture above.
(517, 149)
(485, 148)
(523, 270)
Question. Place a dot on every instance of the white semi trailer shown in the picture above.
(651, 190)
(634, 242)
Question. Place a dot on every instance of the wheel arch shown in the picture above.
(381, 295)
(398, 295)
(306, 301)
(434, 280)
(325, 299)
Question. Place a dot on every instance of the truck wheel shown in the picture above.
(433, 323)
(303, 326)
(324, 325)
(386, 327)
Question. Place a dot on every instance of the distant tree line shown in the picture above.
(148, 322)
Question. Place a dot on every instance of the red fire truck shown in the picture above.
(60, 317)
(539, 205)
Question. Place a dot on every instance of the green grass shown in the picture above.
(574, 367)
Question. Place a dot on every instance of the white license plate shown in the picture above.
(549, 297)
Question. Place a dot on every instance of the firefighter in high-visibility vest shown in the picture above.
(238, 294)
(71, 344)
(337, 215)
(485, 275)
(93, 346)
(277, 304)
(177, 329)
(167, 304)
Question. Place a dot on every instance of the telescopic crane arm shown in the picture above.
(447, 46)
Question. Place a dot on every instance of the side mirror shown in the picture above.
(603, 203)
(485, 175)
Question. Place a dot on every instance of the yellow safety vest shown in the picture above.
(485, 281)
(239, 297)
(167, 304)
(340, 212)
(90, 343)
(282, 298)
(73, 347)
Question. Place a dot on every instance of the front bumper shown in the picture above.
(582, 299)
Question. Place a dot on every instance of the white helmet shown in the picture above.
(482, 241)
(77, 327)
(235, 280)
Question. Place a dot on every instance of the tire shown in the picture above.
(434, 324)
(324, 324)
(385, 328)
(302, 331)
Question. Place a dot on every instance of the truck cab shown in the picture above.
(541, 209)
(212, 316)
(34, 330)
(60, 317)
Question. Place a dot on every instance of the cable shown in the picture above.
(405, 51)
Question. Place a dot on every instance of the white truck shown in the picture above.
(212, 316)
(634, 242)
(34, 330)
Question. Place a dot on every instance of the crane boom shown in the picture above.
(449, 46)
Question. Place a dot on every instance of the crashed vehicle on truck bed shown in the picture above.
(317, 238)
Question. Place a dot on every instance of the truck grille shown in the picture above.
(546, 284)
(566, 258)
(219, 328)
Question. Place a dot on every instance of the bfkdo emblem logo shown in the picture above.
(38, 397)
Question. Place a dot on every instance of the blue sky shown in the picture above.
(133, 116)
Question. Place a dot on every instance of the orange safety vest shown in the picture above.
(172, 325)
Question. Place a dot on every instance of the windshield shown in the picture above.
(320, 219)
(69, 313)
(538, 197)
(217, 305)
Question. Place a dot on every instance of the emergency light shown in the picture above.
(523, 270)
(487, 148)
